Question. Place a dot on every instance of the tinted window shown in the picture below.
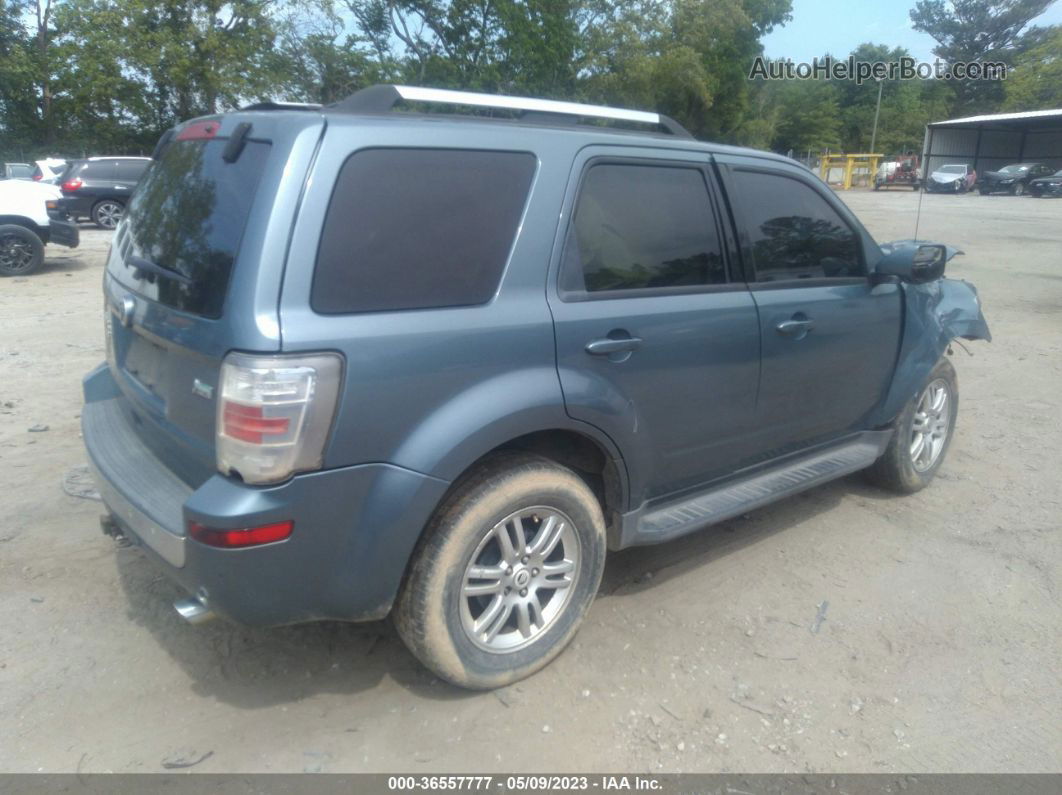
(131, 170)
(639, 227)
(96, 169)
(793, 232)
(187, 216)
(20, 171)
(416, 228)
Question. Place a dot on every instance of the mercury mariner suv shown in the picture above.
(364, 360)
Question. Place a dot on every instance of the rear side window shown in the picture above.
(640, 227)
(21, 171)
(97, 169)
(793, 232)
(419, 228)
(131, 170)
(187, 217)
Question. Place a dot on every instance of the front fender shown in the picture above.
(935, 313)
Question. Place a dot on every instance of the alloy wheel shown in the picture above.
(519, 579)
(108, 214)
(930, 425)
(16, 254)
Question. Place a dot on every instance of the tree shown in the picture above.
(1036, 80)
(974, 30)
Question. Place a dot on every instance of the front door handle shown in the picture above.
(797, 327)
(609, 346)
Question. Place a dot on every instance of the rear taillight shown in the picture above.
(243, 537)
(72, 185)
(274, 414)
(37, 177)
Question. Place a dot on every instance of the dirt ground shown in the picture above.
(937, 645)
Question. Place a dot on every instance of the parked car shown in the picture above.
(15, 171)
(952, 178)
(1046, 186)
(356, 366)
(26, 226)
(99, 188)
(899, 172)
(1012, 179)
(49, 171)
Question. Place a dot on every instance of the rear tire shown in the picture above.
(481, 616)
(21, 251)
(1018, 189)
(921, 435)
(107, 213)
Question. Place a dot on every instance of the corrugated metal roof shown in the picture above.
(1030, 114)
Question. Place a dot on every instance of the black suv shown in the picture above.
(99, 187)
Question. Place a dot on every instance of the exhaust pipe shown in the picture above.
(193, 611)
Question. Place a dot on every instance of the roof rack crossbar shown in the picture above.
(383, 98)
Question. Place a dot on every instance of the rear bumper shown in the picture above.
(355, 527)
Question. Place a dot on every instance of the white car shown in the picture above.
(49, 171)
(26, 226)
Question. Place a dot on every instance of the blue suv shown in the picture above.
(363, 360)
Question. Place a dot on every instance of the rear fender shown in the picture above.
(489, 414)
(935, 313)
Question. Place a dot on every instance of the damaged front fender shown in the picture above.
(935, 313)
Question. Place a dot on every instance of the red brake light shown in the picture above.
(37, 177)
(72, 185)
(249, 423)
(199, 130)
(243, 537)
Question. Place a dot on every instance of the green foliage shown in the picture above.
(1036, 80)
(973, 30)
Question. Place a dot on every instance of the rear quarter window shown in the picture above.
(419, 228)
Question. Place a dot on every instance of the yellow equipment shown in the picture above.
(855, 169)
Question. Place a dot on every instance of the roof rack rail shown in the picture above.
(382, 99)
(270, 104)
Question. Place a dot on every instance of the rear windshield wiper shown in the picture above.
(146, 265)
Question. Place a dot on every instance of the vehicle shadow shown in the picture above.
(69, 263)
(253, 668)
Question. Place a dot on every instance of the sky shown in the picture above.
(839, 26)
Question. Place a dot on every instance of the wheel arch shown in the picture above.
(29, 223)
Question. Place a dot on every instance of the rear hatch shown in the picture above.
(194, 272)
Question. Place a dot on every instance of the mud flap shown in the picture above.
(935, 313)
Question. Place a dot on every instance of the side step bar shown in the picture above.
(736, 497)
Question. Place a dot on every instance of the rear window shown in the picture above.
(419, 228)
(188, 216)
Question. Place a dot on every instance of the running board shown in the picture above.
(656, 525)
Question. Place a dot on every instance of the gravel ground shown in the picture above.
(842, 630)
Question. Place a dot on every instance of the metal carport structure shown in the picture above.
(987, 143)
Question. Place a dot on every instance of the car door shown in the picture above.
(656, 344)
(830, 337)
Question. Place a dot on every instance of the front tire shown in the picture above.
(504, 574)
(107, 213)
(21, 251)
(1018, 189)
(921, 434)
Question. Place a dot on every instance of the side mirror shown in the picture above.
(928, 263)
(917, 265)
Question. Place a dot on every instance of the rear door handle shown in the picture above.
(609, 346)
(795, 327)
